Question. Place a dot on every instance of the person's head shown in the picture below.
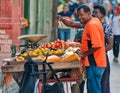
(84, 13)
(65, 8)
(88, 1)
(67, 0)
(80, 1)
(116, 10)
(99, 12)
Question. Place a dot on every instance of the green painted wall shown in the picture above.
(26, 14)
(41, 17)
(32, 16)
(40, 14)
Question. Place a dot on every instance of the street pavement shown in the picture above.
(115, 74)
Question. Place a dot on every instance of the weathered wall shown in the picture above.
(11, 23)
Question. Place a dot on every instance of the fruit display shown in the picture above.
(57, 44)
(62, 53)
(58, 51)
(19, 59)
(39, 57)
(42, 51)
(70, 58)
(53, 58)
(70, 55)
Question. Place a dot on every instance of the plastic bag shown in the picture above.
(36, 90)
(40, 87)
(55, 88)
(28, 81)
(75, 88)
(10, 85)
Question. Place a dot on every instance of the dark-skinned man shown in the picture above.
(92, 51)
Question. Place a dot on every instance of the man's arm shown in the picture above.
(86, 53)
(69, 23)
(108, 38)
(109, 43)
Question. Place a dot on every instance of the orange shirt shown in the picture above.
(93, 36)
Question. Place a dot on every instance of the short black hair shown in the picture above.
(83, 6)
(101, 8)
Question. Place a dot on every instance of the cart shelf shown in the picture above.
(19, 67)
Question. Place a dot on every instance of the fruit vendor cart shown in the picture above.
(67, 62)
(10, 66)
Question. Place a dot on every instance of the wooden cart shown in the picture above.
(10, 66)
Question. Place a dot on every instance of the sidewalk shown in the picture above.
(115, 74)
(1, 81)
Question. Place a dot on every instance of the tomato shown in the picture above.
(57, 41)
(53, 46)
(48, 45)
(62, 41)
(57, 45)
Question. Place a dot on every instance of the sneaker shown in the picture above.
(115, 59)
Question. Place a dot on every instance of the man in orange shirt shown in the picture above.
(92, 47)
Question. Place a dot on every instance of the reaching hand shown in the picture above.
(59, 18)
(81, 54)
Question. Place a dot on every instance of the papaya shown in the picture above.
(53, 58)
(69, 58)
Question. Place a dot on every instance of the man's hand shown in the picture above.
(81, 54)
(59, 18)
(68, 23)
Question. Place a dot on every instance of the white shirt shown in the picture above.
(116, 25)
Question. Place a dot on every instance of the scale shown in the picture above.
(32, 40)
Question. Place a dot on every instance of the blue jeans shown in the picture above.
(64, 34)
(94, 77)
